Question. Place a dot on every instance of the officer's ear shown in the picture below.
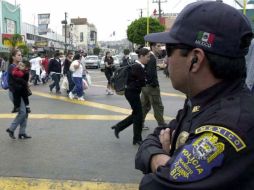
(197, 57)
(193, 61)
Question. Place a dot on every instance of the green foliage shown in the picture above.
(126, 51)
(24, 49)
(96, 51)
(138, 29)
(16, 41)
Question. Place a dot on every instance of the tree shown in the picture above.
(138, 29)
(126, 51)
(96, 51)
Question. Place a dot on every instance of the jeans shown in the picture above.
(78, 88)
(21, 117)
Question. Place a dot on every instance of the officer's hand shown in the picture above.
(165, 140)
(158, 160)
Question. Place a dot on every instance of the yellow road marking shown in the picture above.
(173, 95)
(93, 104)
(162, 93)
(14, 183)
(97, 85)
(74, 117)
(97, 77)
(85, 103)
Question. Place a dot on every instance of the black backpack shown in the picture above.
(119, 79)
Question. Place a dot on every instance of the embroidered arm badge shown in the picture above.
(196, 160)
(227, 134)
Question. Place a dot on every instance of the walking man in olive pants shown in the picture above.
(150, 96)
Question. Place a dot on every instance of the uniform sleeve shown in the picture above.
(210, 159)
(150, 147)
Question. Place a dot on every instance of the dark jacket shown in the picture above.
(55, 65)
(66, 64)
(136, 79)
(151, 72)
(110, 62)
(125, 61)
(212, 146)
(17, 83)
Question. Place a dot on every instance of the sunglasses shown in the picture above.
(170, 48)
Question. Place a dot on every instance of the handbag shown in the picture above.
(65, 83)
(85, 85)
(88, 79)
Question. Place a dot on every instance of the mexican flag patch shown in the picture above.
(205, 39)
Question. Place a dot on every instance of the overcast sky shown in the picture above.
(106, 15)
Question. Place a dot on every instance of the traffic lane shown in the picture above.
(77, 150)
(68, 149)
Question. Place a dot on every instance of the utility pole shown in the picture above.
(141, 12)
(65, 32)
(159, 4)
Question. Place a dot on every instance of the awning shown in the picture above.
(4, 49)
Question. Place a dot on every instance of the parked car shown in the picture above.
(133, 56)
(92, 61)
(161, 64)
(116, 63)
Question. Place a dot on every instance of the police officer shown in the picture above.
(210, 143)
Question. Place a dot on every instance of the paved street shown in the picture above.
(72, 140)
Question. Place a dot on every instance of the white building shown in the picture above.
(81, 34)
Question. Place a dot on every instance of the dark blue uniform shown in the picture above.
(212, 147)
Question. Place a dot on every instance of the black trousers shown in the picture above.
(136, 117)
(109, 74)
(70, 81)
(56, 80)
(18, 94)
(34, 77)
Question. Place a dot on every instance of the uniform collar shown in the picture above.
(215, 92)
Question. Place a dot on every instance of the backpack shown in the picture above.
(4, 81)
(119, 79)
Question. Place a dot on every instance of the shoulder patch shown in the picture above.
(227, 134)
(197, 159)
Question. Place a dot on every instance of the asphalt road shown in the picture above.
(72, 140)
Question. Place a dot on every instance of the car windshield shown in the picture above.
(115, 57)
(91, 58)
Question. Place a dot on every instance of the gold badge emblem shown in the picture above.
(181, 139)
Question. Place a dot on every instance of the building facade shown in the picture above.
(81, 34)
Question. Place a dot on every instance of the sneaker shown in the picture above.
(111, 92)
(71, 96)
(81, 99)
(58, 92)
(145, 127)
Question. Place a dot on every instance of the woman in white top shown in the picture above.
(77, 70)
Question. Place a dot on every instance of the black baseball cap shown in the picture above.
(212, 26)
